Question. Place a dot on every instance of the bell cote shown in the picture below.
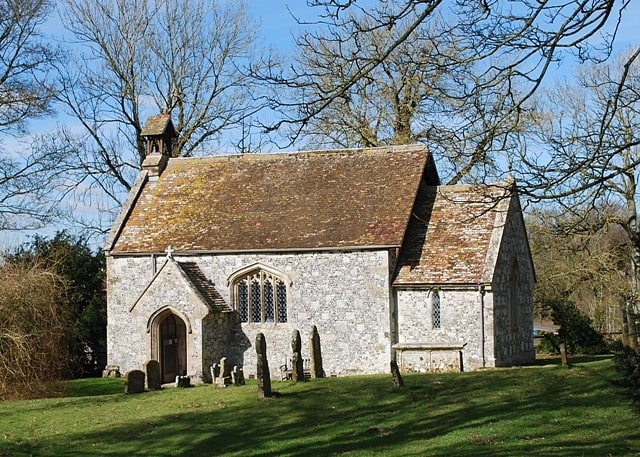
(158, 134)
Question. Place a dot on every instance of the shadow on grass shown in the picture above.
(554, 359)
(490, 413)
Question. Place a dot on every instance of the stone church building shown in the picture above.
(364, 244)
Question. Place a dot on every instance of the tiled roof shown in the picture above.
(204, 287)
(158, 125)
(310, 200)
(450, 234)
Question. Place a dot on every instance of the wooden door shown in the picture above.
(173, 348)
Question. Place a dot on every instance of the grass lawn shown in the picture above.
(544, 410)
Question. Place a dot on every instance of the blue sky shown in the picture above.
(277, 29)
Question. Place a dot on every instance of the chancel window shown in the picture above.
(260, 296)
(436, 315)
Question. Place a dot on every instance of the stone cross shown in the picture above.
(152, 368)
(316, 355)
(134, 382)
(223, 377)
(262, 372)
(297, 364)
(169, 252)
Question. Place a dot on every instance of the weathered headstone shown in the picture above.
(111, 371)
(223, 378)
(563, 355)
(397, 377)
(237, 375)
(316, 355)
(262, 369)
(183, 381)
(215, 372)
(297, 364)
(134, 382)
(154, 380)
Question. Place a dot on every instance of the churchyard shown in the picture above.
(544, 410)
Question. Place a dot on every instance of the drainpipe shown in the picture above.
(481, 294)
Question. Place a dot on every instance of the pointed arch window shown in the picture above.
(260, 296)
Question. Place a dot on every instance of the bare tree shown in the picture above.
(587, 267)
(493, 54)
(25, 93)
(138, 59)
(412, 96)
(25, 58)
(588, 130)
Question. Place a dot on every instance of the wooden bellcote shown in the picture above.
(158, 134)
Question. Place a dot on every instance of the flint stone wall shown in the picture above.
(345, 294)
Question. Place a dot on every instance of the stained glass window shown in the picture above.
(282, 301)
(256, 300)
(243, 302)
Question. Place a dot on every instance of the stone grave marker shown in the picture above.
(563, 355)
(154, 380)
(111, 371)
(237, 376)
(262, 369)
(397, 377)
(297, 364)
(223, 376)
(134, 382)
(316, 354)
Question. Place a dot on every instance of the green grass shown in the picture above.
(533, 411)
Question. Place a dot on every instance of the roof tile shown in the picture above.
(308, 200)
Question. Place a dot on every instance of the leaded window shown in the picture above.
(260, 297)
(436, 315)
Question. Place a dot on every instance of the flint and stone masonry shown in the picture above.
(339, 294)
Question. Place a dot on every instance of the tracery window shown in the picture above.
(436, 315)
(260, 296)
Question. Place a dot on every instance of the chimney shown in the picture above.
(158, 134)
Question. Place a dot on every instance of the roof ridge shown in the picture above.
(309, 152)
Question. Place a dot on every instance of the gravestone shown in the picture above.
(397, 377)
(563, 355)
(297, 364)
(134, 382)
(316, 355)
(183, 381)
(262, 369)
(223, 376)
(111, 371)
(237, 376)
(154, 380)
(215, 373)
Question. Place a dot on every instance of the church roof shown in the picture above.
(205, 288)
(266, 202)
(453, 235)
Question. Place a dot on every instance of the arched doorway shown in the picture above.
(173, 347)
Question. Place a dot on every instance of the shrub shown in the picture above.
(33, 330)
(627, 363)
(575, 331)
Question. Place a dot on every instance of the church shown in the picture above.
(363, 244)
